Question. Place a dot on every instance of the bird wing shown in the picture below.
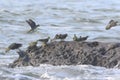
(31, 23)
(108, 27)
(111, 23)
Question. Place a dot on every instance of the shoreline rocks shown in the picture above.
(71, 53)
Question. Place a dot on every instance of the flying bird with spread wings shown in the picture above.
(32, 24)
(13, 46)
(111, 24)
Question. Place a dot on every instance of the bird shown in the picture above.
(13, 46)
(83, 38)
(60, 36)
(33, 44)
(75, 38)
(32, 24)
(44, 41)
(111, 24)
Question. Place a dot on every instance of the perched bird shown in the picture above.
(60, 36)
(32, 24)
(75, 38)
(44, 41)
(33, 44)
(13, 46)
(111, 24)
(83, 38)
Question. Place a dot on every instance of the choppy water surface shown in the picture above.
(81, 17)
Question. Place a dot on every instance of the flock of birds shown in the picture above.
(33, 26)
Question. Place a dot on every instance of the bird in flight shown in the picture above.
(13, 46)
(32, 24)
(111, 24)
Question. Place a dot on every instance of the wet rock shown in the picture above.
(71, 53)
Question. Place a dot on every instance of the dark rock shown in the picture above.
(71, 53)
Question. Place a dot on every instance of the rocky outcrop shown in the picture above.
(71, 53)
